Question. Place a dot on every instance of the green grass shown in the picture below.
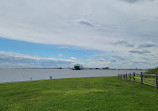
(147, 81)
(80, 94)
(152, 71)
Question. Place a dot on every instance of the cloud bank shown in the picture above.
(14, 60)
(122, 26)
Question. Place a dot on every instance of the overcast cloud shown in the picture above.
(108, 25)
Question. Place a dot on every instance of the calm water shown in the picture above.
(17, 75)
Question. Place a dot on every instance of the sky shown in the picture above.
(95, 33)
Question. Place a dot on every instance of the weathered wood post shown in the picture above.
(119, 76)
(126, 76)
(134, 76)
(130, 76)
(156, 77)
(141, 77)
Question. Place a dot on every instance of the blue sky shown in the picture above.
(45, 50)
(114, 33)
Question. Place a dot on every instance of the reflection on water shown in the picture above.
(14, 75)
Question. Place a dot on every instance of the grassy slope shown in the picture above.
(81, 94)
(152, 71)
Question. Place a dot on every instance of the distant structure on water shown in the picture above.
(106, 68)
(78, 67)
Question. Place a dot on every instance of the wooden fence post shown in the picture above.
(119, 76)
(141, 77)
(134, 76)
(130, 76)
(126, 76)
(156, 77)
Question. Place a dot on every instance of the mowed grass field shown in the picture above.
(79, 94)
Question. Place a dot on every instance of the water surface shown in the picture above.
(17, 75)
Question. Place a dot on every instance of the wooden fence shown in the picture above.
(148, 79)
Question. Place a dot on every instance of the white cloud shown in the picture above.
(116, 60)
(60, 55)
(137, 1)
(54, 22)
(8, 60)
(64, 47)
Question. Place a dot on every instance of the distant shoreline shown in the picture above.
(72, 68)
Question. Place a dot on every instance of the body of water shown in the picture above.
(17, 75)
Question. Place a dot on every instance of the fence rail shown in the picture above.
(148, 79)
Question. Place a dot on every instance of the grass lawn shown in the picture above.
(79, 94)
(152, 71)
(138, 78)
